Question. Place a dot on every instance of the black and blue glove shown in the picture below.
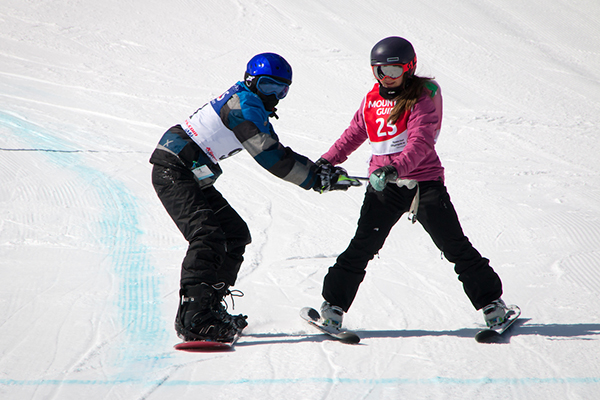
(332, 178)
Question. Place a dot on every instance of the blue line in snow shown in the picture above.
(347, 381)
(138, 297)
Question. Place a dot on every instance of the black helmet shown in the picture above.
(395, 50)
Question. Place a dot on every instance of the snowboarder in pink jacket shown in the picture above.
(401, 117)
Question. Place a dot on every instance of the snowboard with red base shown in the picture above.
(494, 335)
(206, 346)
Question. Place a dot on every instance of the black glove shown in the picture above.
(381, 176)
(321, 161)
(332, 178)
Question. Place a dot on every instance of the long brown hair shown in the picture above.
(408, 97)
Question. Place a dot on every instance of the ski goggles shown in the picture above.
(392, 71)
(268, 86)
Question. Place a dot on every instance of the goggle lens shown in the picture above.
(389, 71)
(267, 86)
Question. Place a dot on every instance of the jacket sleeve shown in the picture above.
(350, 140)
(245, 115)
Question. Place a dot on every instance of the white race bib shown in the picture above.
(208, 131)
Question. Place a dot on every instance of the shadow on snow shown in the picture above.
(520, 328)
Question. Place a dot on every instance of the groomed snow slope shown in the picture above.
(89, 259)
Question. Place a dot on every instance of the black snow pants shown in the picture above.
(380, 212)
(216, 233)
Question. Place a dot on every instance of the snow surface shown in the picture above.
(89, 259)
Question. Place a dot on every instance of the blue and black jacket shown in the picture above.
(234, 121)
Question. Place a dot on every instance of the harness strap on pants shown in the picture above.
(414, 206)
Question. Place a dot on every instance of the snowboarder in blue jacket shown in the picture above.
(186, 165)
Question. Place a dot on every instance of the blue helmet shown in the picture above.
(270, 64)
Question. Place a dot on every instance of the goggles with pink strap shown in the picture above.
(392, 71)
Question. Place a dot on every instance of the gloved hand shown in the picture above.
(381, 176)
(332, 178)
(321, 161)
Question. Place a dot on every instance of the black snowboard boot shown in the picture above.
(201, 316)
(239, 321)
